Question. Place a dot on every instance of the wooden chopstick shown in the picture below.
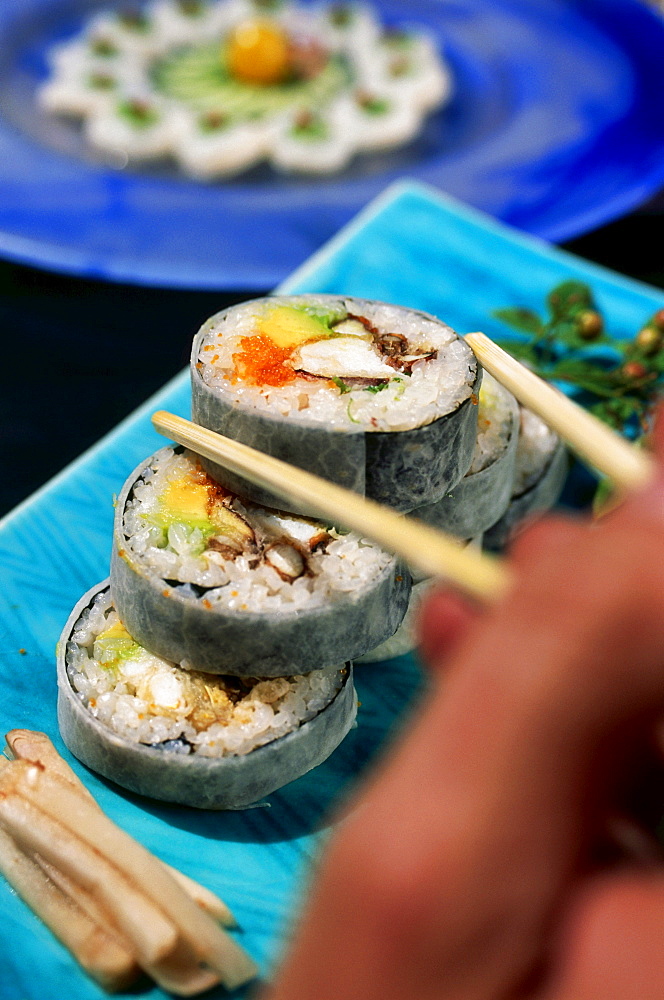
(421, 546)
(625, 465)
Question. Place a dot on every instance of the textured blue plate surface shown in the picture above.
(414, 247)
(555, 127)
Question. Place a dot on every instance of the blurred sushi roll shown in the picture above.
(542, 464)
(136, 126)
(313, 142)
(96, 49)
(349, 26)
(483, 495)
(378, 119)
(404, 639)
(184, 22)
(216, 583)
(407, 66)
(375, 397)
(212, 144)
(196, 739)
(132, 31)
(88, 91)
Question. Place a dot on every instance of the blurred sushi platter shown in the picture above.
(411, 246)
(547, 97)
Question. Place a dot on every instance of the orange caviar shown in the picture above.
(261, 362)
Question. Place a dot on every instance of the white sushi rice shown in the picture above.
(435, 387)
(344, 566)
(145, 699)
(405, 70)
(494, 420)
(535, 449)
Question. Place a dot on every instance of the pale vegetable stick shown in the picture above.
(203, 897)
(36, 747)
(181, 973)
(152, 935)
(82, 898)
(86, 821)
(102, 957)
(427, 549)
(626, 466)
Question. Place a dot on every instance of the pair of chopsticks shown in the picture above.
(427, 549)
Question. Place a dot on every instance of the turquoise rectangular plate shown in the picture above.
(412, 246)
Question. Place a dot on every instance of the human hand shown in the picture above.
(475, 863)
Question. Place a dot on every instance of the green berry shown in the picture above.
(589, 324)
(649, 340)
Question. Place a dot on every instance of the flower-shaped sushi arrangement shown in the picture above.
(215, 665)
(220, 85)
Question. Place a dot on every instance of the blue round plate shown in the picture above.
(555, 127)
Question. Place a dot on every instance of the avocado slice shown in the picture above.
(195, 502)
(288, 326)
(114, 644)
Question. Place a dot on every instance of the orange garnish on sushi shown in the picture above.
(261, 362)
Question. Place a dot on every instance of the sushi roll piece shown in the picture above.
(349, 26)
(212, 144)
(378, 119)
(136, 126)
(95, 49)
(216, 583)
(483, 495)
(313, 142)
(404, 639)
(183, 22)
(377, 398)
(542, 464)
(409, 68)
(132, 31)
(196, 739)
(88, 92)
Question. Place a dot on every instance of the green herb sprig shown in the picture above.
(620, 384)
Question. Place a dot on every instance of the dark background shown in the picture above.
(80, 355)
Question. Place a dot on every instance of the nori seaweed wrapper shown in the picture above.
(403, 469)
(220, 640)
(229, 782)
(480, 499)
(540, 497)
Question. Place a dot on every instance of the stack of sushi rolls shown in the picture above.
(215, 665)
(378, 398)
